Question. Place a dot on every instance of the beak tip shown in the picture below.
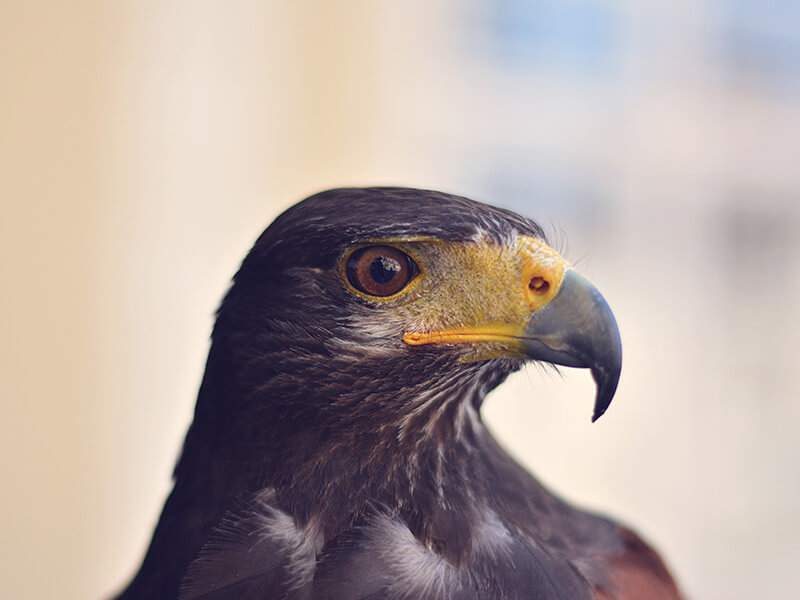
(599, 410)
(606, 388)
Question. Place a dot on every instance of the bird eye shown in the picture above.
(380, 270)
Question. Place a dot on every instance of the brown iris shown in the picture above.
(380, 270)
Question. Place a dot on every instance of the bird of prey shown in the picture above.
(337, 450)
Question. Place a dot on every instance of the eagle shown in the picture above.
(337, 450)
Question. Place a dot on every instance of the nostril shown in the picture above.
(539, 285)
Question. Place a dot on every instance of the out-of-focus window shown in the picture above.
(760, 38)
(578, 35)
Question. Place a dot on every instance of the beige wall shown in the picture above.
(144, 145)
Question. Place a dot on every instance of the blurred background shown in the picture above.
(145, 144)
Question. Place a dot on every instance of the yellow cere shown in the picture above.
(542, 272)
(480, 293)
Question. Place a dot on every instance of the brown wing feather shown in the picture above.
(638, 573)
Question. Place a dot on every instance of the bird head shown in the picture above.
(360, 297)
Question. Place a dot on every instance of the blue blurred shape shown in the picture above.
(762, 37)
(575, 34)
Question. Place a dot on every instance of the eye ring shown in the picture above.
(380, 270)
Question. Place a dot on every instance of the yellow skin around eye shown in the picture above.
(480, 294)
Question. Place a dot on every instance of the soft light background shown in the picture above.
(145, 144)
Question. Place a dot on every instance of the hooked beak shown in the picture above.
(537, 307)
(577, 329)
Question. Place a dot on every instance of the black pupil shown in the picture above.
(383, 269)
